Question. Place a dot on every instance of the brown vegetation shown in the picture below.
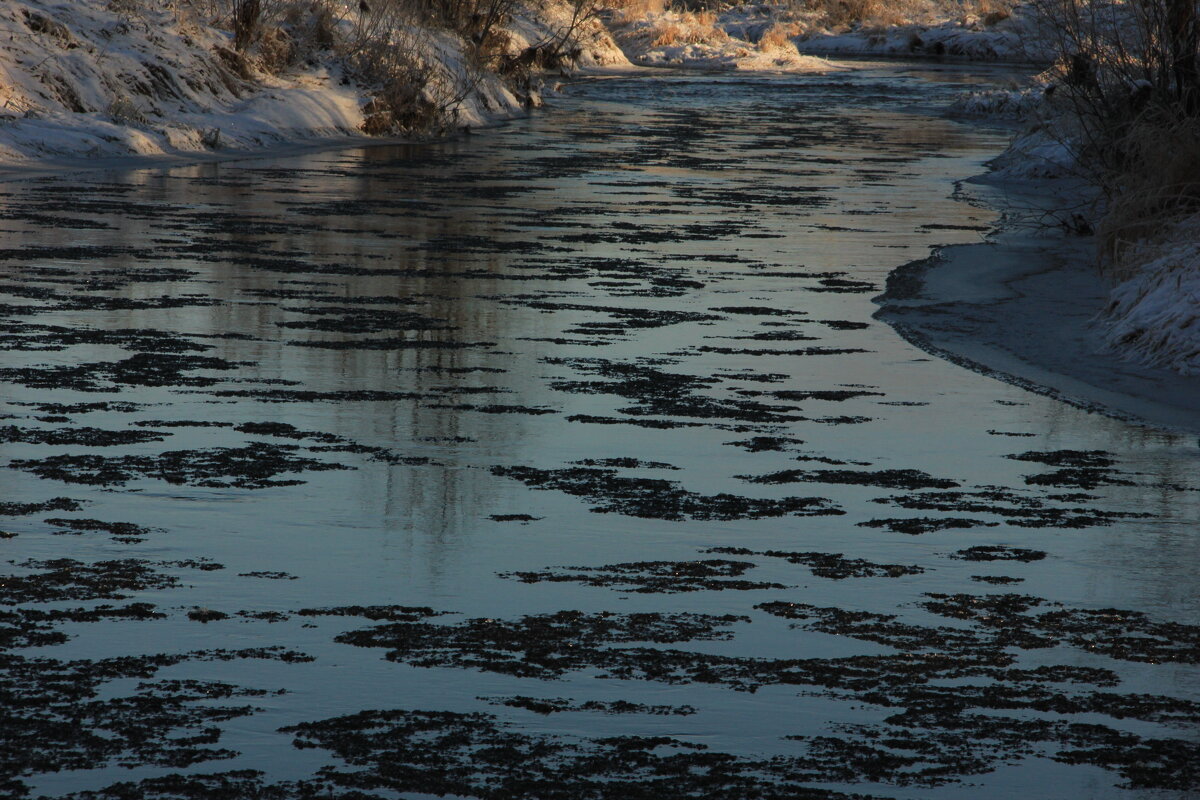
(1128, 78)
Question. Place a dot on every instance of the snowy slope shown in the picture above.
(1154, 316)
(78, 78)
(786, 36)
(711, 41)
(111, 78)
(1013, 37)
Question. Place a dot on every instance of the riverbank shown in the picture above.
(98, 81)
(1024, 307)
(144, 82)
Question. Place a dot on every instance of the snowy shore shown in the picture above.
(1025, 307)
(93, 80)
(96, 81)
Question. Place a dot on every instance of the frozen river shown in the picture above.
(567, 460)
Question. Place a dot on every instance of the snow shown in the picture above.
(1012, 38)
(786, 37)
(710, 41)
(1037, 153)
(97, 80)
(82, 79)
(1018, 103)
(1154, 316)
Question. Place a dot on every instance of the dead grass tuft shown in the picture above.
(686, 27)
(780, 35)
(123, 109)
(880, 14)
(277, 50)
(1159, 185)
(628, 11)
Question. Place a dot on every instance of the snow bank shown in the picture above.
(737, 39)
(82, 79)
(98, 79)
(1150, 316)
(1018, 103)
(1044, 148)
(1154, 317)
(998, 37)
(785, 37)
(1037, 153)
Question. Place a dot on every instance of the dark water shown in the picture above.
(567, 461)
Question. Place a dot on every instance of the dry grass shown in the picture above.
(628, 11)
(1130, 107)
(1159, 185)
(780, 35)
(295, 33)
(872, 14)
(841, 13)
(686, 27)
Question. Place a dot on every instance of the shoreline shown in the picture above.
(1020, 308)
(972, 305)
(299, 145)
(186, 158)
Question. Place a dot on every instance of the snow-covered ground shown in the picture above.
(997, 36)
(744, 37)
(1154, 315)
(782, 36)
(1022, 307)
(104, 79)
(101, 79)
(83, 78)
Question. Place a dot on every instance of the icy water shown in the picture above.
(567, 461)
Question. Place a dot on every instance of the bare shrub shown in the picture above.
(990, 19)
(123, 109)
(401, 106)
(558, 49)
(1160, 185)
(295, 32)
(276, 50)
(246, 16)
(211, 138)
(1127, 79)
(129, 9)
(476, 21)
(386, 53)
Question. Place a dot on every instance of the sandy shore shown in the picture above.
(1021, 308)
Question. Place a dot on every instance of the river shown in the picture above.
(567, 460)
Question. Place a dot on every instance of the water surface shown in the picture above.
(567, 460)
